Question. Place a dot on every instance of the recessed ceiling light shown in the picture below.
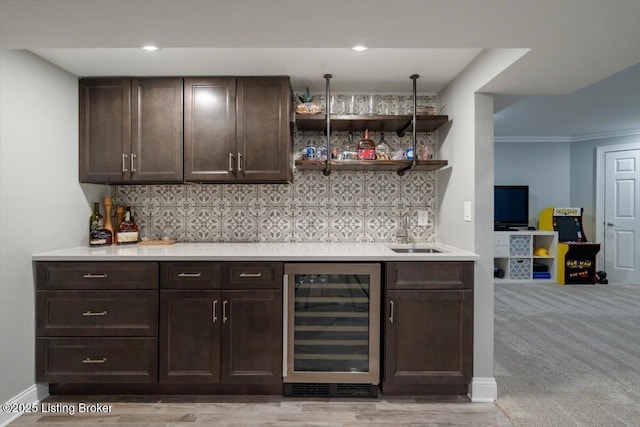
(359, 48)
(150, 48)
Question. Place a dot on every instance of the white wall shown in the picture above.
(542, 165)
(467, 142)
(583, 175)
(42, 205)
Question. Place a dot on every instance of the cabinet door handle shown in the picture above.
(230, 162)
(124, 163)
(94, 313)
(239, 162)
(189, 274)
(95, 276)
(90, 360)
(224, 312)
(133, 158)
(391, 312)
(250, 274)
(215, 304)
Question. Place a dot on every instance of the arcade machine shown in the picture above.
(576, 256)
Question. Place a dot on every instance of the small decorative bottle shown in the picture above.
(128, 229)
(366, 147)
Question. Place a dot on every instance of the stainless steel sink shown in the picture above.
(416, 250)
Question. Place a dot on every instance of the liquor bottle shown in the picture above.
(350, 151)
(96, 223)
(383, 152)
(366, 147)
(128, 230)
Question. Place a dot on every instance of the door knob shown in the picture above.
(610, 224)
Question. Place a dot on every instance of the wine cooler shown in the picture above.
(331, 321)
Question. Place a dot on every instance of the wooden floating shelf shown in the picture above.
(375, 123)
(371, 165)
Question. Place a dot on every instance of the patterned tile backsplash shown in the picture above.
(342, 207)
(346, 206)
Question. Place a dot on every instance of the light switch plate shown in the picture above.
(423, 218)
(467, 211)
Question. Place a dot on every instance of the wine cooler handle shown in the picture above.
(215, 318)
(391, 312)
(124, 163)
(224, 311)
(285, 323)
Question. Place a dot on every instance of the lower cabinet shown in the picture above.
(97, 322)
(232, 334)
(428, 338)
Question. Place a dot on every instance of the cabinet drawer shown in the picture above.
(190, 275)
(500, 239)
(97, 313)
(96, 360)
(97, 275)
(253, 275)
(501, 251)
(430, 275)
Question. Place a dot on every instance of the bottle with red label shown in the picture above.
(366, 147)
(128, 229)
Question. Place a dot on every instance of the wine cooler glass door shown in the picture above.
(333, 323)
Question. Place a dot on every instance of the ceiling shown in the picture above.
(572, 43)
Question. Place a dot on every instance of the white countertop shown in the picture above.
(257, 252)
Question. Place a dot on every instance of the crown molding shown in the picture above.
(604, 135)
(532, 139)
(574, 138)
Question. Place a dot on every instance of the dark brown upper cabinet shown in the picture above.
(131, 130)
(238, 129)
(105, 130)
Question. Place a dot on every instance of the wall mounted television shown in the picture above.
(510, 207)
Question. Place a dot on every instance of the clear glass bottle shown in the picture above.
(350, 151)
(366, 147)
(383, 151)
(128, 229)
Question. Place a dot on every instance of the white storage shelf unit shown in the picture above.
(513, 253)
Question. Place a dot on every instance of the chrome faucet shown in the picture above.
(402, 236)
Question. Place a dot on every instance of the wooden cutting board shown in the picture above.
(157, 242)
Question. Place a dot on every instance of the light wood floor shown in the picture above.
(237, 411)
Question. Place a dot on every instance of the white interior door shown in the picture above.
(622, 216)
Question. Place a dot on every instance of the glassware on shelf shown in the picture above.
(383, 151)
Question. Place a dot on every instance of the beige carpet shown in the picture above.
(568, 355)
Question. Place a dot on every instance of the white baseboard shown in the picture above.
(35, 393)
(483, 389)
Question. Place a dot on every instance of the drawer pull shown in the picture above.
(250, 274)
(90, 360)
(95, 276)
(92, 313)
(189, 274)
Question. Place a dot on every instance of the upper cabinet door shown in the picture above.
(210, 129)
(105, 130)
(156, 141)
(264, 129)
